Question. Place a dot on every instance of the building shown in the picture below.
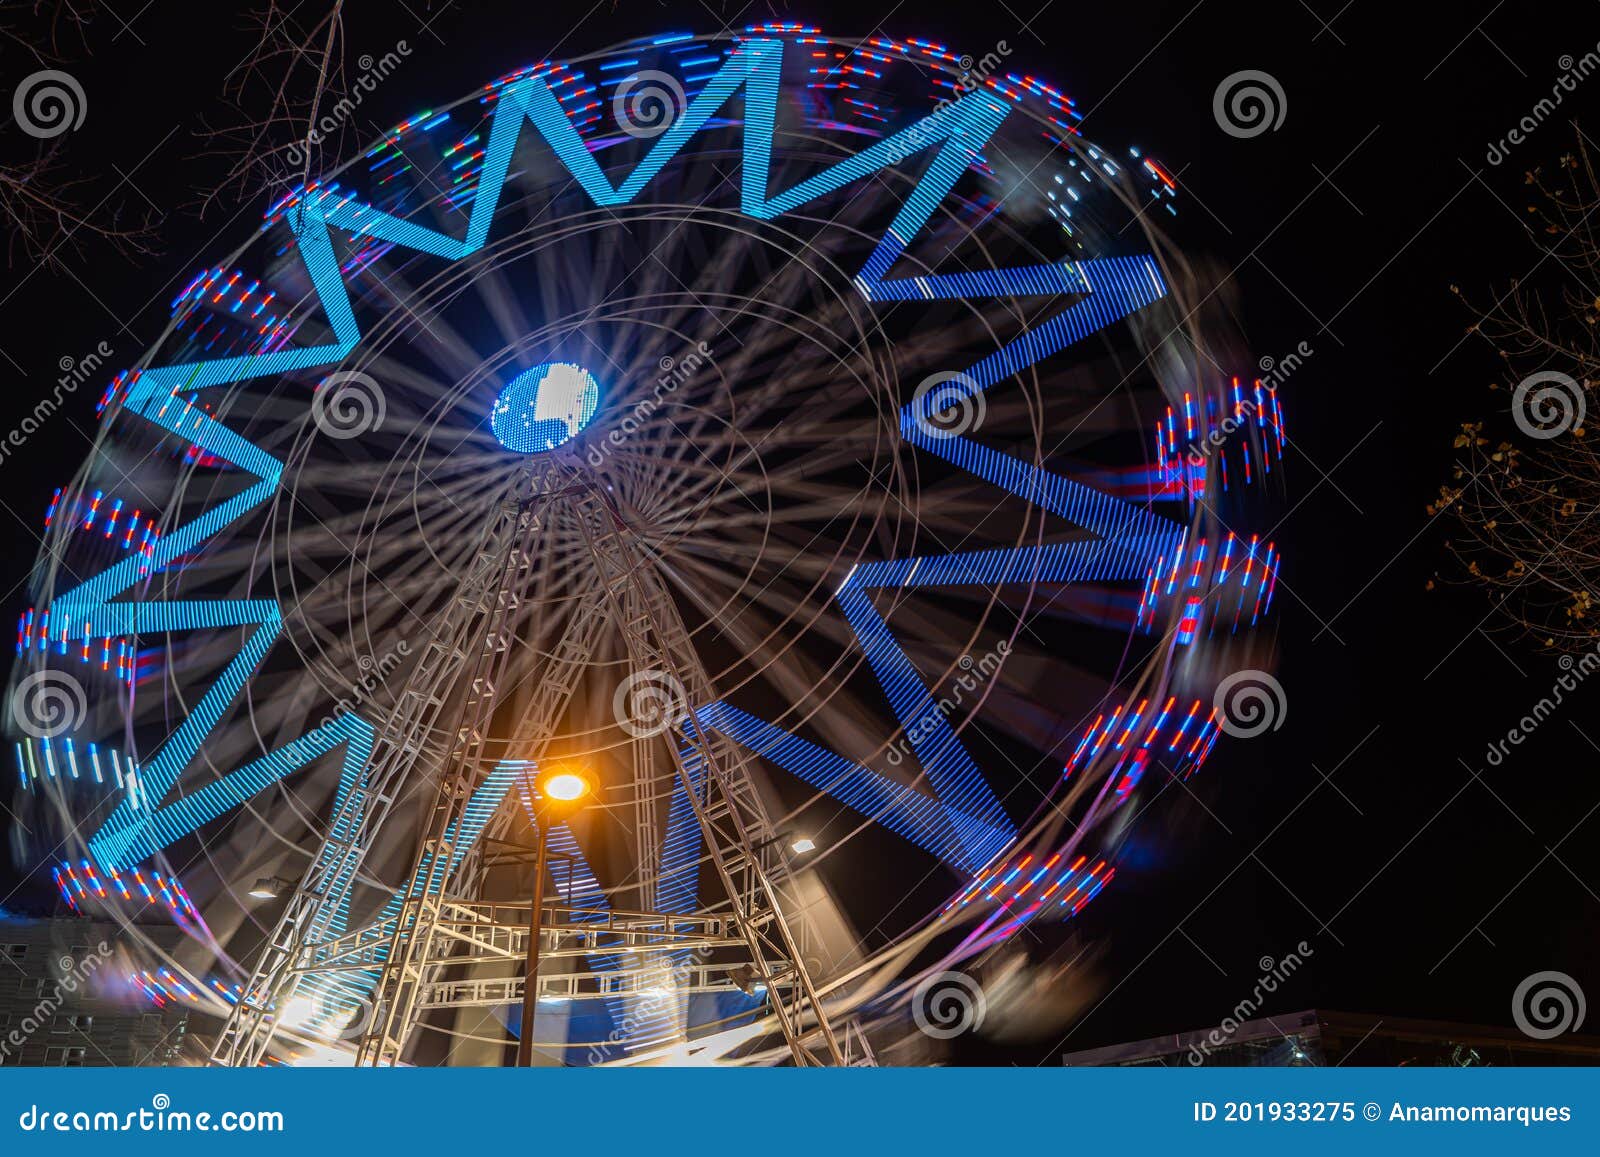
(65, 999)
(1323, 1037)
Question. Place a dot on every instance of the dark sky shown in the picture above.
(1426, 883)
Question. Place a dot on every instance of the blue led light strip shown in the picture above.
(932, 824)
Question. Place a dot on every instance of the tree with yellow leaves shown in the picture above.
(1525, 489)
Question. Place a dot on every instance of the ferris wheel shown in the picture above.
(671, 543)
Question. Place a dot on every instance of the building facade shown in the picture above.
(65, 1000)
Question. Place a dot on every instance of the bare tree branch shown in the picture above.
(1527, 498)
(40, 198)
(277, 92)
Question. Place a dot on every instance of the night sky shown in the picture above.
(1426, 882)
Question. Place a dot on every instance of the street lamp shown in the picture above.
(269, 888)
(798, 844)
(560, 791)
(564, 787)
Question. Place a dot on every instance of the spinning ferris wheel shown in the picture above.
(775, 488)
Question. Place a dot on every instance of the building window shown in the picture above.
(64, 1023)
(32, 985)
(13, 951)
(68, 1056)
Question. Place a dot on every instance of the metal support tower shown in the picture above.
(434, 931)
(462, 633)
(717, 778)
(408, 963)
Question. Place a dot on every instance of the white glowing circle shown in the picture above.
(544, 407)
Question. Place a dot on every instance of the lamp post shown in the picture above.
(799, 844)
(559, 790)
(270, 888)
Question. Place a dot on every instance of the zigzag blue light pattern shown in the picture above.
(1128, 539)
(934, 824)
(959, 130)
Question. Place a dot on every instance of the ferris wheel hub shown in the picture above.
(544, 407)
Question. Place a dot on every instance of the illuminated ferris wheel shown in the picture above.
(648, 563)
